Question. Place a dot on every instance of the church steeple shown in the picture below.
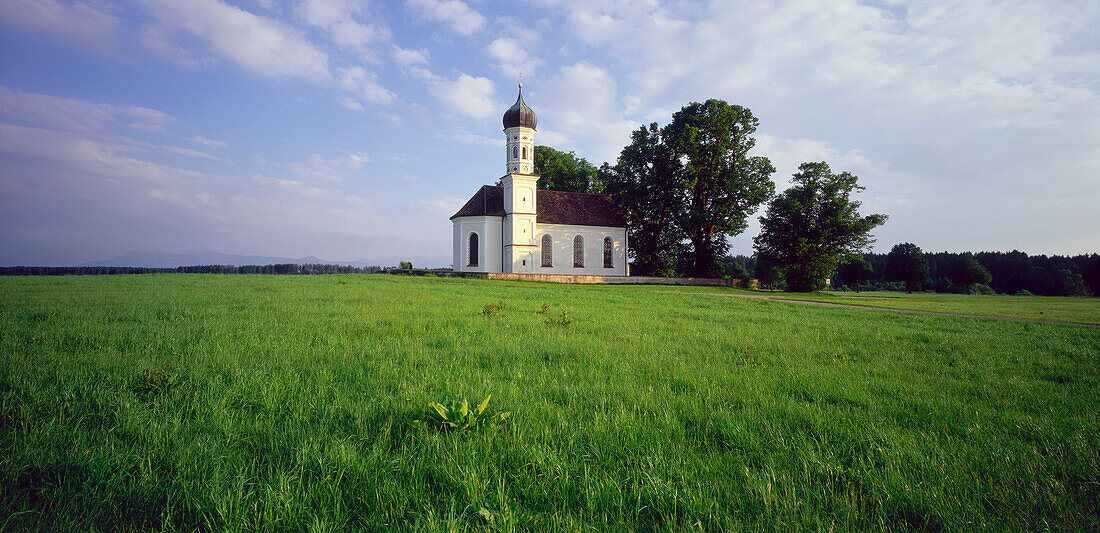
(519, 131)
(519, 114)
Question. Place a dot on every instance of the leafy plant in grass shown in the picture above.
(491, 310)
(561, 320)
(458, 416)
(154, 383)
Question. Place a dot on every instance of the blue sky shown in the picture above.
(351, 129)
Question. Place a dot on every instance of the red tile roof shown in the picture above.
(554, 207)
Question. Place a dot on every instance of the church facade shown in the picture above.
(517, 228)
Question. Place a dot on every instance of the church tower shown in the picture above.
(520, 184)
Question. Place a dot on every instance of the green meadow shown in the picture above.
(259, 403)
(1046, 308)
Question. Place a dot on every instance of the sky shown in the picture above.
(349, 129)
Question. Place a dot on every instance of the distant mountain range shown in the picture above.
(138, 258)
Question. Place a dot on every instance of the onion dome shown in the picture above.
(519, 114)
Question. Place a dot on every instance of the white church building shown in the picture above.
(518, 228)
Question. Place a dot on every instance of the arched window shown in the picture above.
(547, 251)
(525, 152)
(607, 253)
(473, 250)
(515, 152)
(578, 251)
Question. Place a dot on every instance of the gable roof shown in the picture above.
(554, 207)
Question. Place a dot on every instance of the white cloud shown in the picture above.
(77, 23)
(155, 39)
(365, 84)
(207, 142)
(390, 117)
(413, 63)
(78, 115)
(262, 44)
(336, 169)
(422, 74)
(463, 136)
(409, 57)
(445, 206)
(580, 102)
(351, 104)
(313, 192)
(468, 96)
(338, 18)
(194, 153)
(512, 58)
(456, 14)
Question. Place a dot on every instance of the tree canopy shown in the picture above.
(691, 182)
(812, 226)
(563, 171)
(642, 183)
(906, 263)
(721, 184)
(967, 271)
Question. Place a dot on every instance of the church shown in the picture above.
(517, 228)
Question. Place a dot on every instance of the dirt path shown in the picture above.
(870, 308)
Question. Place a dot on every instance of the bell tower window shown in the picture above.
(525, 152)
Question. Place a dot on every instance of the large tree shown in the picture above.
(563, 171)
(812, 226)
(718, 182)
(906, 262)
(643, 184)
(966, 271)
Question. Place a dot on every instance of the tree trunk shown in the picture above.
(704, 262)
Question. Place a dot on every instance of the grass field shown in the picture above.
(1052, 308)
(182, 402)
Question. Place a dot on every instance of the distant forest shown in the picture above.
(280, 269)
(1013, 272)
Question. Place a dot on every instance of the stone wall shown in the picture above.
(622, 280)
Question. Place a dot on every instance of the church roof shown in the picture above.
(519, 114)
(487, 201)
(554, 207)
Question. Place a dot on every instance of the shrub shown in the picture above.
(561, 320)
(1024, 292)
(491, 310)
(154, 383)
(978, 288)
(457, 416)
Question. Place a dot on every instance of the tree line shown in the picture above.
(276, 269)
(912, 269)
(1012, 272)
(686, 187)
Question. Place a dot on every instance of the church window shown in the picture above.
(515, 152)
(525, 152)
(473, 250)
(547, 251)
(578, 251)
(607, 253)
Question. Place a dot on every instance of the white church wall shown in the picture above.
(490, 250)
(593, 236)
